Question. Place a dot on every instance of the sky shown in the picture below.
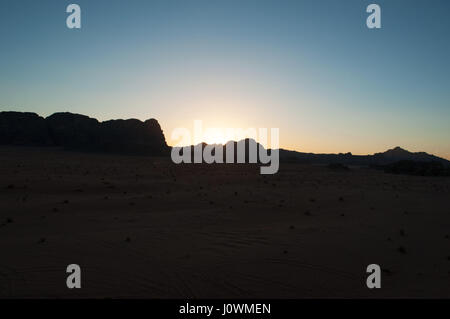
(310, 68)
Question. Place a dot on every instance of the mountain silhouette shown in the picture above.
(23, 129)
(80, 132)
(378, 159)
(399, 154)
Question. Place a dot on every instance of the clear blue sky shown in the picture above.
(311, 68)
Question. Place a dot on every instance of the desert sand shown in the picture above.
(144, 227)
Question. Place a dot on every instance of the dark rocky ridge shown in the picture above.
(23, 129)
(80, 132)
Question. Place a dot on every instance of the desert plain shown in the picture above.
(143, 227)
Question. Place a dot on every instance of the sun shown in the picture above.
(215, 136)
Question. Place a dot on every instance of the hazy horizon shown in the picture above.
(312, 69)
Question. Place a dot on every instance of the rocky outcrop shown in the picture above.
(18, 128)
(132, 136)
(73, 130)
(80, 132)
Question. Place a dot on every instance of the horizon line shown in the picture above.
(279, 148)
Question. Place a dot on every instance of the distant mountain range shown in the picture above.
(390, 156)
(80, 132)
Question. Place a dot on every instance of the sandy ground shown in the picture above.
(144, 227)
